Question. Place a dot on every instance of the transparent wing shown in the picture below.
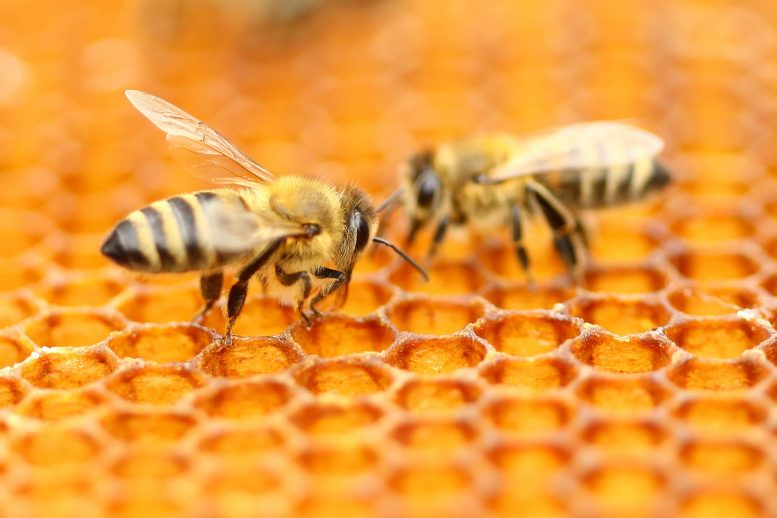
(235, 230)
(203, 150)
(592, 145)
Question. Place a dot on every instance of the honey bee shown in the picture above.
(497, 180)
(301, 236)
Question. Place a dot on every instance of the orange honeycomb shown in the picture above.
(649, 390)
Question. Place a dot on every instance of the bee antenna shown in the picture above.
(403, 255)
(391, 200)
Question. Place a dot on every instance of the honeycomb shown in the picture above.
(649, 390)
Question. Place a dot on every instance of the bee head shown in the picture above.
(425, 191)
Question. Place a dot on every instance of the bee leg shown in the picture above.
(210, 287)
(566, 230)
(289, 279)
(326, 273)
(238, 291)
(520, 247)
(439, 235)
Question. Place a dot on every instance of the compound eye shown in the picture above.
(428, 185)
(359, 222)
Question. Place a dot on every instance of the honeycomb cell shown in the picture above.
(621, 315)
(61, 404)
(712, 374)
(522, 297)
(624, 488)
(433, 317)
(55, 445)
(336, 420)
(436, 395)
(622, 395)
(626, 280)
(145, 426)
(263, 316)
(14, 348)
(21, 230)
(633, 243)
(330, 460)
(527, 334)
(73, 327)
(712, 302)
(19, 272)
(338, 336)
(439, 436)
(429, 481)
(163, 304)
(709, 266)
(15, 306)
(244, 399)
(721, 457)
(67, 369)
(624, 436)
(642, 353)
(242, 443)
(521, 416)
(155, 385)
(345, 377)
(720, 413)
(721, 501)
(713, 227)
(91, 289)
(527, 467)
(168, 343)
(12, 390)
(530, 375)
(717, 338)
(78, 251)
(366, 296)
(150, 463)
(430, 356)
(445, 278)
(249, 356)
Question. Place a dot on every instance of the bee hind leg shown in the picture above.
(289, 279)
(327, 273)
(210, 287)
(520, 248)
(437, 239)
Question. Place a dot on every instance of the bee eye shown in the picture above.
(428, 185)
(359, 223)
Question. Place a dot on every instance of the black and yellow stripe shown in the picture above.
(171, 235)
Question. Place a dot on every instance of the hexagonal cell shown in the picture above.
(621, 315)
(366, 296)
(433, 317)
(622, 242)
(521, 297)
(12, 390)
(721, 413)
(66, 369)
(249, 356)
(346, 377)
(625, 280)
(713, 227)
(21, 230)
(436, 436)
(445, 278)
(527, 467)
(430, 480)
(61, 404)
(336, 420)
(338, 460)
(502, 262)
(93, 289)
(721, 457)
(16, 306)
(242, 443)
(335, 501)
(73, 327)
(506, 501)
(531, 375)
(522, 416)
(712, 302)
(244, 399)
(706, 266)
(338, 336)
(430, 395)
(624, 436)
(719, 338)
(154, 384)
(710, 374)
(622, 395)
(148, 425)
(161, 343)
(56, 445)
(430, 356)
(163, 304)
(14, 348)
(263, 316)
(721, 501)
(149, 463)
(375, 260)
(19, 272)
(626, 355)
(523, 334)
(626, 488)
(79, 251)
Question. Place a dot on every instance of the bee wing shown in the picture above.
(235, 230)
(592, 145)
(204, 151)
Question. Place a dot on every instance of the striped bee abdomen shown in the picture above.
(171, 235)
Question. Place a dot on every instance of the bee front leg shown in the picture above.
(210, 287)
(327, 273)
(520, 248)
(439, 235)
(289, 279)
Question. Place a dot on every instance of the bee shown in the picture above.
(500, 180)
(301, 236)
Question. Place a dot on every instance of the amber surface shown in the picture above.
(648, 390)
